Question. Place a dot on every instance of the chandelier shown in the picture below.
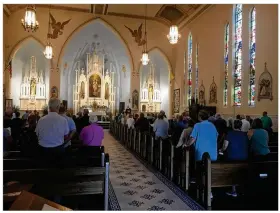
(145, 57)
(29, 22)
(173, 35)
(49, 50)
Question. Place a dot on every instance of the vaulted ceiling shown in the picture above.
(163, 13)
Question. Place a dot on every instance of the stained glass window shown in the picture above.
(252, 73)
(196, 73)
(189, 68)
(185, 94)
(237, 54)
(225, 92)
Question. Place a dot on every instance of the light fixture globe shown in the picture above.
(145, 58)
(173, 35)
(48, 51)
(29, 22)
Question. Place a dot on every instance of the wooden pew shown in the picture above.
(72, 179)
(223, 174)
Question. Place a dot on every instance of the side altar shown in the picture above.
(94, 86)
(33, 88)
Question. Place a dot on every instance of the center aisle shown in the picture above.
(136, 187)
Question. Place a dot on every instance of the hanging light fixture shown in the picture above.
(49, 50)
(29, 22)
(145, 57)
(173, 35)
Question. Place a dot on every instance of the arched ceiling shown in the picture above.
(163, 13)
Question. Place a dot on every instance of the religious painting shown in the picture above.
(265, 85)
(54, 92)
(95, 86)
(201, 95)
(176, 101)
(33, 87)
(107, 93)
(135, 98)
(82, 90)
(9, 104)
(213, 92)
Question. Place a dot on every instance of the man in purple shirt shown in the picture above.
(93, 134)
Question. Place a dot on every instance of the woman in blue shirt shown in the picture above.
(259, 140)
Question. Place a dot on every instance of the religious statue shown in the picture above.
(150, 92)
(201, 94)
(82, 90)
(135, 96)
(95, 86)
(213, 92)
(57, 27)
(107, 94)
(33, 87)
(265, 85)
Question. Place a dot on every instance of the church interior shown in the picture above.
(117, 66)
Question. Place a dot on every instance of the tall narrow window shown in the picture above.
(190, 68)
(196, 72)
(237, 54)
(185, 93)
(252, 73)
(225, 92)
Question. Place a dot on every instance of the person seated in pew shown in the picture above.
(160, 127)
(130, 122)
(71, 125)
(16, 127)
(258, 141)
(235, 148)
(52, 131)
(29, 139)
(93, 134)
(142, 123)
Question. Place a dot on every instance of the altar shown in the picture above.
(94, 86)
(33, 88)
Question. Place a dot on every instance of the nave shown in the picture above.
(137, 187)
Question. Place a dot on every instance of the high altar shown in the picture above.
(94, 87)
(150, 93)
(33, 88)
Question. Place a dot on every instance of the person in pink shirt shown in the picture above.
(93, 134)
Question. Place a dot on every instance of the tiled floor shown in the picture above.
(136, 187)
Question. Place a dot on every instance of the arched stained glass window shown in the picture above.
(225, 92)
(189, 68)
(185, 93)
(196, 72)
(237, 54)
(252, 73)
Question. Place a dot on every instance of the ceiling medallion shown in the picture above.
(29, 22)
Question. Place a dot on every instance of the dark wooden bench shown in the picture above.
(78, 177)
(223, 174)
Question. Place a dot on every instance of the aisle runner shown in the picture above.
(137, 188)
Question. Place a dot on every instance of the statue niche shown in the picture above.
(33, 87)
(82, 90)
(95, 86)
(107, 93)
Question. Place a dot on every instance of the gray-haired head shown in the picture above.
(54, 104)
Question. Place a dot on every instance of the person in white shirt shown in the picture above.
(52, 131)
(245, 125)
(130, 122)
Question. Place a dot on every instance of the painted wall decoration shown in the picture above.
(57, 27)
(201, 96)
(107, 93)
(265, 85)
(82, 90)
(176, 101)
(135, 100)
(54, 92)
(95, 86)
(137, 35)
(213, 92)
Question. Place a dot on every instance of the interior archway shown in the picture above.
(95, 36)
(21, 67)
(161, 67)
